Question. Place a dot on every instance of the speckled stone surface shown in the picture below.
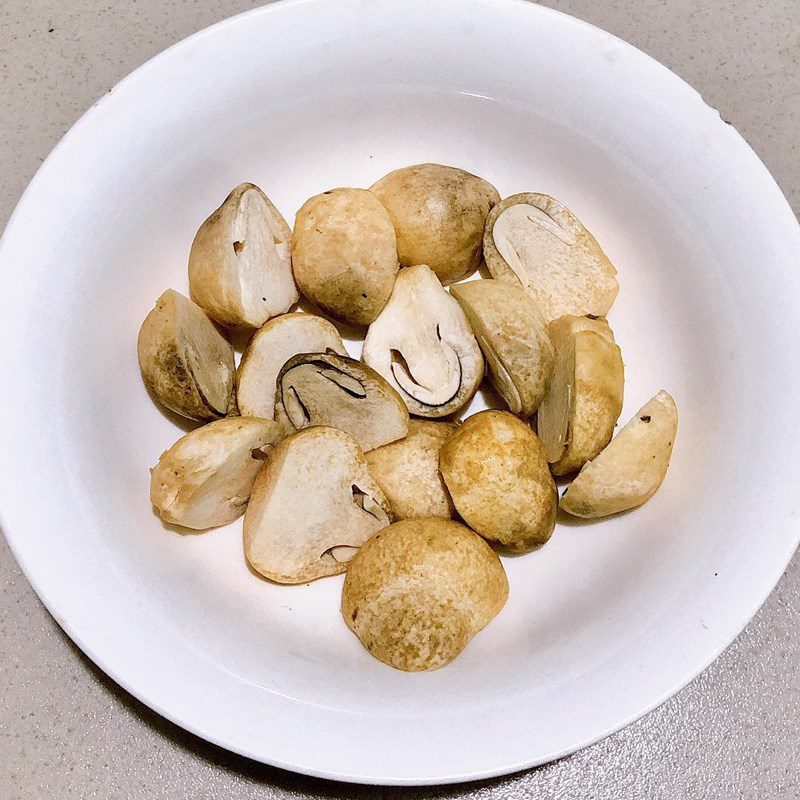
(67, 731)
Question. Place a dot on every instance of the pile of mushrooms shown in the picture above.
(364, 465)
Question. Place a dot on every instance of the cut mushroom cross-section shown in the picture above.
(314, 504)
(533, 240)
(270, 348)
(240, 265)
(423, 345)
(329, 389)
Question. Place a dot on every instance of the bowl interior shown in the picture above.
(601, 623)
(570, 601)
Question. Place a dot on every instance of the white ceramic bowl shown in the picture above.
(603, 623)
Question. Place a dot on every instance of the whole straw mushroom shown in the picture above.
(438, 213)
(418, 591)
(344, 254)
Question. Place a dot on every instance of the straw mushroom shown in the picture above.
(328, 389)
(344, 253)
(185, 361)
(314, 504)
(418, 591)
(438, 214)
(205, 478)
(423, 345)
(408, 471)
(534, 241)
(584, 400)
(270, 348)
(240, 264)
(514, 340)
(496, 472)
(630, 470)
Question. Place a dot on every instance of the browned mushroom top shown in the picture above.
(185, 361)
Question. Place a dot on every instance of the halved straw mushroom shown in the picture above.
(270, 348)
(344, 254)
(206, 477)
(583, 402)
(423, 345)
(630, 470)
(496, 472)
(185, 361)
(314, 504)
(418, 591)
(408, 471)
(513, 337)
(240, 265)
(438, 213)
(533, 240)
(328, 389)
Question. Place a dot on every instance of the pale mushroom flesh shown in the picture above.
(423, 345)
(270, 348)
(240, 265)
(533, 240)
(314, 504)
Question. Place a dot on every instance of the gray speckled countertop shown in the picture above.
(67, 731)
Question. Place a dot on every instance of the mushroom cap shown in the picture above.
(423, 345)
(533, 240)
(344, 253)
(185, 361)
(438, 214)
(240, 264)
(313, 505)
(328, 389)
(270, 348)
(408, 471)
(204, 480)
(513, 337)
(584, 400)
(418, 591)
(496, 471)
(630, 470)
